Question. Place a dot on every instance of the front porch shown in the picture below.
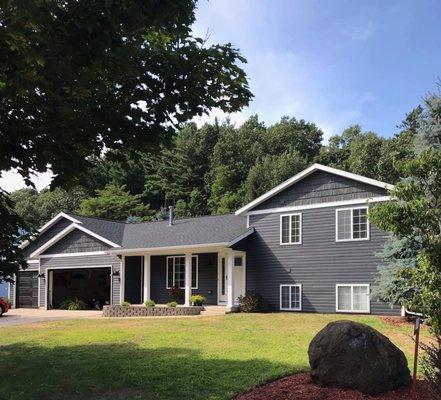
(219, 274)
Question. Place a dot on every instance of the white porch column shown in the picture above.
(230, 278)
(122, 275)
(147, 275)
(187, 278)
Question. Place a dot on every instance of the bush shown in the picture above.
(432, 367)
(197, 299)
(72, 304)
(149, 303)
(126, 304)
(251, 302)
(176, 294)
(172, 304)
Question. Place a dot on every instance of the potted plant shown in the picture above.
(197, 300)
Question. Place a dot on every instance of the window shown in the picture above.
(176, 271)
(291, 297)
(238, 261)
(352, 298)
(352, 224)
(291, 229)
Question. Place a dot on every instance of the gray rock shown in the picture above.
(348, 354)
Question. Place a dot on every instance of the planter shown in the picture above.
(142, 311)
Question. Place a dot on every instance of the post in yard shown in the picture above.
(415, 360)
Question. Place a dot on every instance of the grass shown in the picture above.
(184, 358)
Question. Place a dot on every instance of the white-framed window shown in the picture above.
(291, 297)
(291, 228)
(176, 272)
(353, 298)
(351, 224)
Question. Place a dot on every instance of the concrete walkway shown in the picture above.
(30, 315)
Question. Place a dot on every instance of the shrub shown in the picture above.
(126, 304)
(251, 302)
(72, 304)
(197, 299)
(432, 367)
(176, 294)
(172, 304)
(149, 303)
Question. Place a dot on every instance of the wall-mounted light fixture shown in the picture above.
(115, 273)
(41, 275)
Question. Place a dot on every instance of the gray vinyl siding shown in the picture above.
(76, 241)
(207, 278)
(81, 261)
(318, 264)
(321, 187)
(45, 236)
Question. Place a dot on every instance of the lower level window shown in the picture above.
(291, 297)
(176, 272)
(353, 298)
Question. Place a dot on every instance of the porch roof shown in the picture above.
(205, 231)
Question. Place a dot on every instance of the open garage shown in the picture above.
(91, 285)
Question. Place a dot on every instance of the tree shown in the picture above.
(39, 207)
(271, 171)
(78, 77)
(114, 202)
(416, 215)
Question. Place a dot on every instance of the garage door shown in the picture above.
(27, 293)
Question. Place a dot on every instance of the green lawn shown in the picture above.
(186, 358)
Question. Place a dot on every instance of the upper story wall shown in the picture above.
(321, 187)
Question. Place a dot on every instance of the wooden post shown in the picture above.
(415, 360)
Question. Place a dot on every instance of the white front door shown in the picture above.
(239, 277)
(222, 279)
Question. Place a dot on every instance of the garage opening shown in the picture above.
(91, 285)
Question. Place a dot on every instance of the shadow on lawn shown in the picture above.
(126, 371)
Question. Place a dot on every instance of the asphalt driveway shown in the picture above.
(30, 315)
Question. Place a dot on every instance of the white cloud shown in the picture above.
(12, 180)
(361, 32)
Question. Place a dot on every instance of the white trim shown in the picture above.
(351, 285)
(181, 256)
(32, 261)
(147, 277)
(291, 285)
(122, 280)
(321, 205)
(305, 173)
(188, 278)
(50, 223)
(248, 220)
(290, 229)
(230, 277)
(240, 237)
(86, 253)
(166, 248)
(368, 227)
(64, 232)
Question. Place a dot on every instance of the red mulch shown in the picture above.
(395, 321)
(300, 387)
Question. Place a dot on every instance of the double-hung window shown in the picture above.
(291, 297)
(352, 298)
(291, 229)
(352, 224)
(176, 271)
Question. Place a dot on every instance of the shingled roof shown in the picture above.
(211, 229)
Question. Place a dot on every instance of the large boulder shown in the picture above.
(347, 354)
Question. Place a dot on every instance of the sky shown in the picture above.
(331, 62)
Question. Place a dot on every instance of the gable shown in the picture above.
(76, 241)
(45, 236)
(321, 187)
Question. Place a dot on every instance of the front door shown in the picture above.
(222, 279)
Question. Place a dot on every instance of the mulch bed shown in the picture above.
(300, 387)
(395, 321)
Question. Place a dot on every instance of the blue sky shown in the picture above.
(333, 62)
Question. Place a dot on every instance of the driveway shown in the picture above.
(30, 315)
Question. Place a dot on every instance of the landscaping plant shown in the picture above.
(432, 367)
(72, 304)
(176, 294)
(171, 304)
(197, 300)
(126, 304)
(251, 302)
(149, 303)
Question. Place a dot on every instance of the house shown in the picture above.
(306, 245)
